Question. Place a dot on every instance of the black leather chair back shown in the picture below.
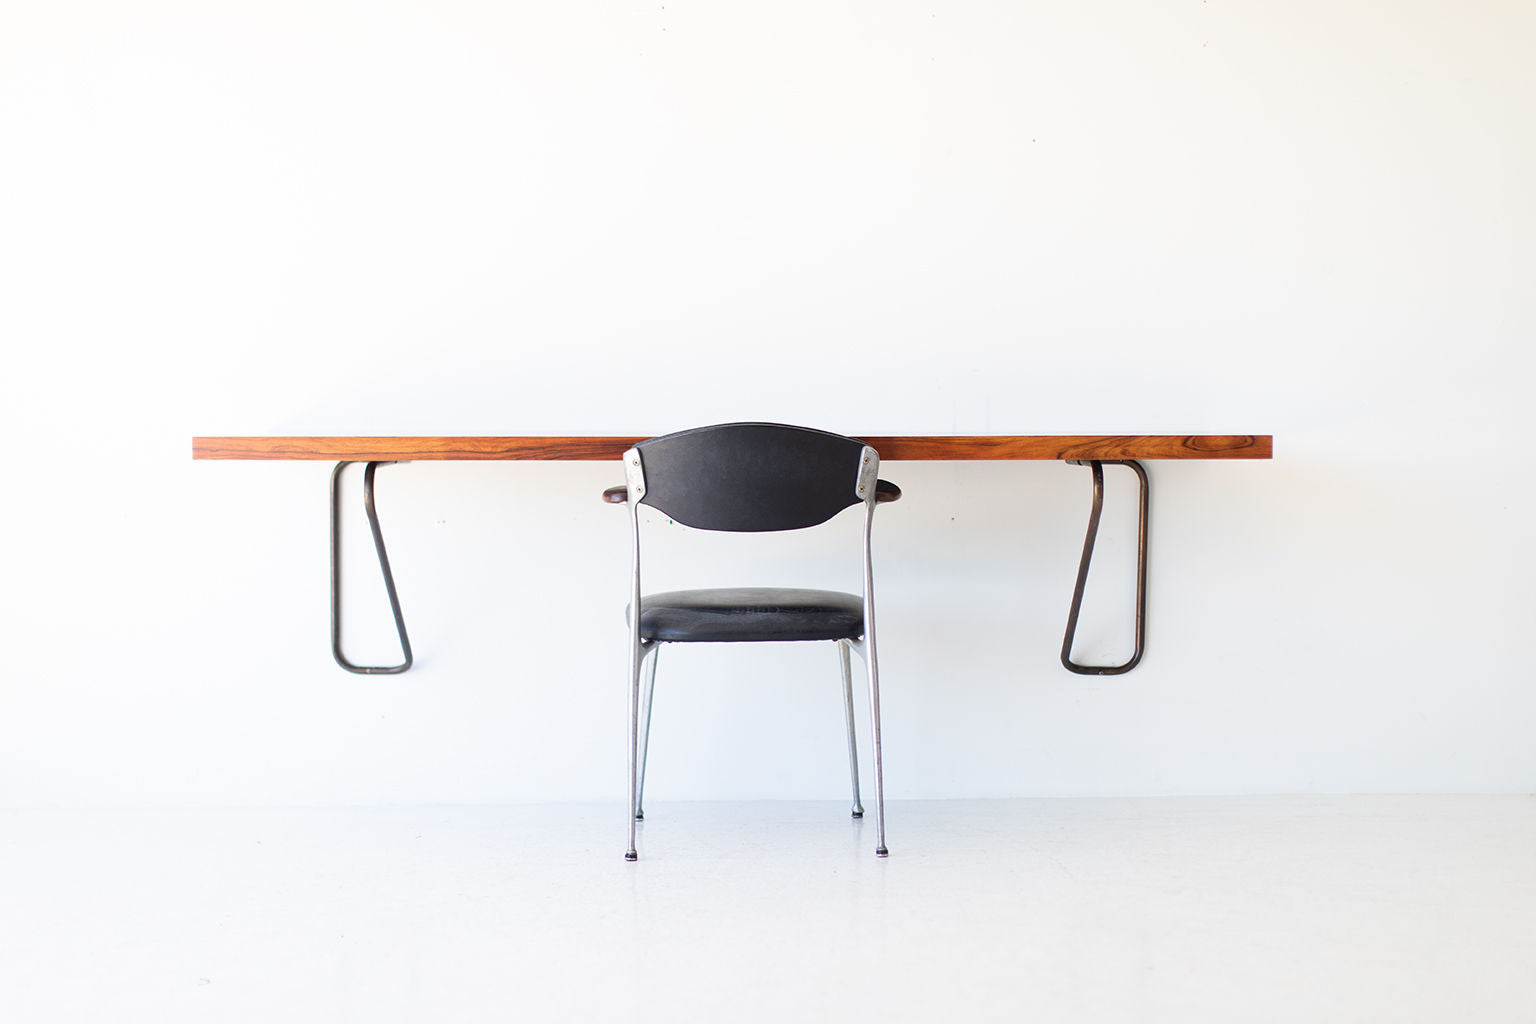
(751, 477)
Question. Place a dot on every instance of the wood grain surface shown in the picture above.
(601, 449)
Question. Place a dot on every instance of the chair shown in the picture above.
(751, 478)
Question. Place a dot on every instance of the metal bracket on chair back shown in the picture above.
(389, 579)
(1096, 465)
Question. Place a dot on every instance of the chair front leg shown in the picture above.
(636, 658)
(853, 749)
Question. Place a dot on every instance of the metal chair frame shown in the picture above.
(642, 683)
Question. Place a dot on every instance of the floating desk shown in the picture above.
(1093, 451)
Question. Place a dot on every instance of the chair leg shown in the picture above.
(853, 749)
(874, 727)
(866, 649)
(648, 698)
(636, 657)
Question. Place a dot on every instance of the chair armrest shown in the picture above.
(617, 495)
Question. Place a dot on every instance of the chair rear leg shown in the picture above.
(866, 649)
(853, 749)
(874, 726)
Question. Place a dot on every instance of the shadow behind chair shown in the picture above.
(751, 478)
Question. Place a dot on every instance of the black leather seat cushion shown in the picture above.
(739, 614)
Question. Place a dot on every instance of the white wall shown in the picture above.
(1309, 219)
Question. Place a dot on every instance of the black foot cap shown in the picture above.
(881, 851)
(858, 814)
(631, 855)
(639, 815)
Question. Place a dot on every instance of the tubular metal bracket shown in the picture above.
(1096, 465)
(389, 579)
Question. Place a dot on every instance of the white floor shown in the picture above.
(1352, 909)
